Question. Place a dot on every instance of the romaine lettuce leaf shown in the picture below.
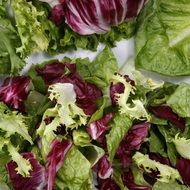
(92, 153)
(75, 172)
(156, 142)
(81, 137)
(101, 70)
(162, 40)
(119, 127)
(118, 179)
(179, 101)
(169, 134)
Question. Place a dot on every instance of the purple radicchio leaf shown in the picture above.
(107, 184)
(118, 89)
(97, 128)
(52, 73)
(57, 14)
(128, 180)
(37, 175)
(55, 159)
(132, 141)
(103, 168)
(87, 93)
(14, 91)
(159, 158)
(183, 166)
(165, 112)
(89, 17)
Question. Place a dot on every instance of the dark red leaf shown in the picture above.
(128, 180)
(107, 184)
(87, 93)
(57, 14)
(165, 112)
(132, 141)
(89, 17)
(183, 166)
(97, 128)
(55, 159)
(103, 167)
(159, 158)
(51, 73)
(14, 91)
(136, 136)
(37, 175)
(125, 156)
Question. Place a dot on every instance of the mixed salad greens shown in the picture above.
(72, 122)
(76, 124)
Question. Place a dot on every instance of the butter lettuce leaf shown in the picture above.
(163, 37)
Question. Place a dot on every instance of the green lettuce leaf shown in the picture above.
(10, 63)
(100, 111)
(134, 109)
(163, 37)
(160, 96)
(169, 134)
(179, 101)
(92, 153)
(168, 186)
(75, 172)
(5, 158)
(118, 180)
(71, 40)
(23, 166)
(166, 174)
(36, 31)
(138, 176)
(65, 112)
(81, 137)
(101, 70)
(156, 143)
(13, 122)
(118, 129)
(12, 126)
(182, 146)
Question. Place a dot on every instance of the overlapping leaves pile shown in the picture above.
(71, 121)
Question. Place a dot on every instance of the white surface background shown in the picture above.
(124, 53)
